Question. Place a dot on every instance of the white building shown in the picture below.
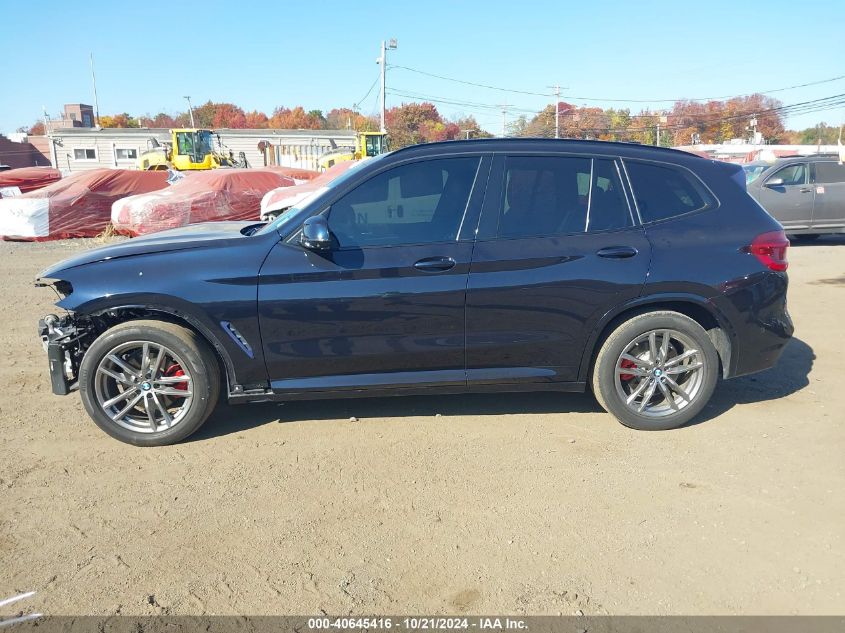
(78, 148)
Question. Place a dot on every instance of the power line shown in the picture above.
(362, 99)
(617, 100)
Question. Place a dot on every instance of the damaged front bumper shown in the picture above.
(63, 339)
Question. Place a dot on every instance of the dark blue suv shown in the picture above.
(641, 273)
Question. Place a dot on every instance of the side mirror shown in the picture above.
(315, 234)
(774, 182)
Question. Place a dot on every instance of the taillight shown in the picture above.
(770, 249)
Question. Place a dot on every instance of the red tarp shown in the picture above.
(76, 206)
(220, 194)
(280, 199)
(299, 175)
(29, 178)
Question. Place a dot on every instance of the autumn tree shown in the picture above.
(346, 118)
(413, 123)
(122, 120)
(256, 120)
(468, 126)
(36, 129)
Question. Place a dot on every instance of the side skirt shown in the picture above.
(270, 396)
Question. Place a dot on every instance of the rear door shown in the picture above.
(558, 247)
(829, 185)
(790, 202)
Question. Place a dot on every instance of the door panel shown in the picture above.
(829, 185)
(791, 204)
(532, 303)
(355, 318)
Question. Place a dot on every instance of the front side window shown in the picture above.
(85, 154)
(663, 191)
(553, 195)
(830, 172)
(792, 174)
(416, 203)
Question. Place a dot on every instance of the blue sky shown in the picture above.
(321, 54)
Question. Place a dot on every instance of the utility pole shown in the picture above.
(504, 118)
(468, 132)
(190, 109)
(96, 104)
(557, 109)
(382, 61)
(661, 118)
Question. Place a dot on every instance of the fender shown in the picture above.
(178, 309)
(657, 299)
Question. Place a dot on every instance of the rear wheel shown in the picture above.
(149, 383)
(656, 371)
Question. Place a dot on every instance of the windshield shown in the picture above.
(291, 217)
(752, 172)
(195, 144)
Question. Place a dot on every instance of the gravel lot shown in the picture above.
(531, 504)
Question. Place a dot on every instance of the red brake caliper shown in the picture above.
(627, 364)
(175, 370)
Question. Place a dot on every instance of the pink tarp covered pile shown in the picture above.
(76, 206)
(28, 179)
(220, 194)
(280, 199)
(299, 175)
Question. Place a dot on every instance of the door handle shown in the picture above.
(435, 264)
(617, 252)
(806, 190)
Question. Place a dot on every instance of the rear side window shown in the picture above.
(554, 195)
(662, 191)
(830, 172)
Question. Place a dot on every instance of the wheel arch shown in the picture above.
(696, 307)
(133, 312)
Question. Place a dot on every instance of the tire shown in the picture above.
(688, 345)
(184, 383)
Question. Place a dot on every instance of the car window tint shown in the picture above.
(830, 172)
(664, 192)
(411, 204)
(792, 174)
(554, 195)
(608, 208)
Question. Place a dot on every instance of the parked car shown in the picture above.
(496, 265)
(806, 194)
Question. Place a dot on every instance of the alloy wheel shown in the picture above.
(143, 387)
(660, 373)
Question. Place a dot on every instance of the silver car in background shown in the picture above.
(806, 194)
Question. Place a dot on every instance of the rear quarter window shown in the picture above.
(664, 191)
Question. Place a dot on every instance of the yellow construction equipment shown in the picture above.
(189, 149)
(367, 145)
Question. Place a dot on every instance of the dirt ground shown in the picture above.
(525, 504)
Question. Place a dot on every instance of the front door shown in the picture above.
(829, 185)
(789, 201)
(558, 248)
(385, 306)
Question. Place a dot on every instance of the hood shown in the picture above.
(192, 236)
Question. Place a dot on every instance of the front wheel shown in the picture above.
(149, 383)
(656, 371)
